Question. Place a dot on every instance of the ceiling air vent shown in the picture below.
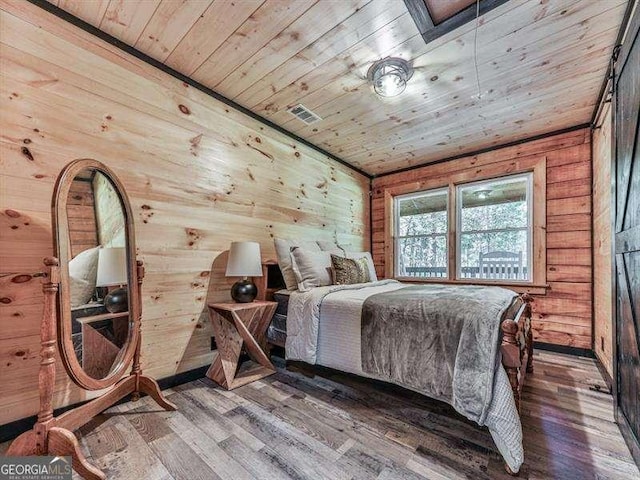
(304, 114)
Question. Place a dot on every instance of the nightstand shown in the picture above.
(103, 336)
(235, 325)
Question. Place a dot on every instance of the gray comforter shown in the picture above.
(442, 340)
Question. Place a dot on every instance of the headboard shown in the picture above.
(271, 280)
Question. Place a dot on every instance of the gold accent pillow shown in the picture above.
(347, 271)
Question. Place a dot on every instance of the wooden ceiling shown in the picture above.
(541, 65)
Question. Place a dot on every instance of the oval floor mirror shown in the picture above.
(92, 306)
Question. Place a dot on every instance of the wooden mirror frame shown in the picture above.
(62, 244)
(53, 435)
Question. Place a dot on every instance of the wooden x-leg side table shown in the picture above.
(235, 324)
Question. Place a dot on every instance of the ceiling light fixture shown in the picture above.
(389, 76)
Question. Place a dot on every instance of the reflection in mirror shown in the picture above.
(98, 273)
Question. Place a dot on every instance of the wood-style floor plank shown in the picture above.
(338, 426)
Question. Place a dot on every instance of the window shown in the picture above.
(493, 231)
(494, 227)
(422, 230)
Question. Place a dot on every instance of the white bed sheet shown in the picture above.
(339, 335)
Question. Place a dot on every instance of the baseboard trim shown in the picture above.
(11, 430)
(575, 351)
(184, 377)
(605, 375)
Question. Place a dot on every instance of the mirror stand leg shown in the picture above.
(136, 371)
(146, 384)
(23, 446)
(150, 387)
(63, 443)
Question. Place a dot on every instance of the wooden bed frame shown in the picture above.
(517, 351)
(517, 347)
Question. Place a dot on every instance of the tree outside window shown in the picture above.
(421, 240)
(494, 229)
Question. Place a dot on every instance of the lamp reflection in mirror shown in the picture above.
(483, 194)
(112, 272)
(244, 261)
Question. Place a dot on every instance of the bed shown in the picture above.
(324, 326)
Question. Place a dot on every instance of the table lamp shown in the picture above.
(244, 261)
(112, 272)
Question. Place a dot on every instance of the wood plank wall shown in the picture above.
(82, 217)
(563, 315)
(198, 173)
(602, 256)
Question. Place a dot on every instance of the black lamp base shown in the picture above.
(117, 300)
(244, 291)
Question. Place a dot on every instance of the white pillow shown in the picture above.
(358, 255)
(283, 252)
(83, 269)
(312, 269)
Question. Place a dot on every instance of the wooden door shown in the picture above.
(627, 235)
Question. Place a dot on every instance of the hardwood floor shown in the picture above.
(337, 426)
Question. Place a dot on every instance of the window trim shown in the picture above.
(528, 176)
(396, 211)
(534, 163)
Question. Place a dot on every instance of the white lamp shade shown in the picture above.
(244, 260)
(112, 267)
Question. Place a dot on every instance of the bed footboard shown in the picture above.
(517, 347)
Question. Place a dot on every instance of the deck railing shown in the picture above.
(466, 272)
